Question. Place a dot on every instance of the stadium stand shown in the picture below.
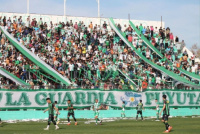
(72, 55)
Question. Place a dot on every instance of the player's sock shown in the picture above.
(166, 125)
(157, 117)
(96, 120)
(141, 117)
(68, 120)
(74, 118)
(121, 115)
(56, 119)
(56, 127)
(136, 117)
(54, 123)
(47, 126)
(124, 115)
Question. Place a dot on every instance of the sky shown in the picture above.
(182, 16)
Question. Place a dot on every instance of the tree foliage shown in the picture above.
(196, 50)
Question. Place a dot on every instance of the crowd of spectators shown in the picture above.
(171, 48)
(91, 55)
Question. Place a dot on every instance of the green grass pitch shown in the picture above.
(125, 126)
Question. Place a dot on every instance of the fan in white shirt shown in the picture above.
(158, 80)
(33, 50)
(19, 57)
(71, 67)
(193, 69)
(79, 66)
(156, 30)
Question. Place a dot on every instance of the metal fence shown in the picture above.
(108, 87)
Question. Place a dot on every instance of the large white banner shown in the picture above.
(86, 98)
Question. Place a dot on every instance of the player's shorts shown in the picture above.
(165, 117)
(139, 112)
(70, 114)
(96, 113)
(55, 113)
(51, 117)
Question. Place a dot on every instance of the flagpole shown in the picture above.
(98, 2)
(64, 9)
(27, 6)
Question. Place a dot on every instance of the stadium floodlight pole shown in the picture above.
(27, 6)
(98, 2)
(65, 9)
(100, 20)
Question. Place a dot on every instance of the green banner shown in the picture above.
(24, 99)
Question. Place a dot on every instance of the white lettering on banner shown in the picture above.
(86, 98)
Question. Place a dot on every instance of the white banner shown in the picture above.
(85, 98)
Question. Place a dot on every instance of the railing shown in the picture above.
(55, 87)
(108, 87)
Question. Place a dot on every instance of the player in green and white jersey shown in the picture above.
(139, 110)
(123, 110)
(166, 114)
(70, 109)
(96, 108)
(56, 113)
(157, 109)
(50, 110)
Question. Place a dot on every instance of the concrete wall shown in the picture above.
(31, 114)
(86, 20)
